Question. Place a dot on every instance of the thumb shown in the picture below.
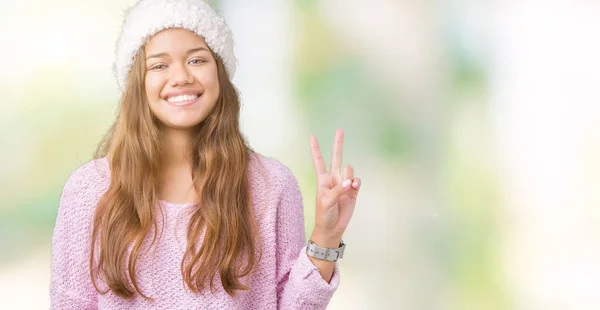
(335, 193)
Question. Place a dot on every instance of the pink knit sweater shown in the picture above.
(285, 277)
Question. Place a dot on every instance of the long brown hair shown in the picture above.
(125, 214)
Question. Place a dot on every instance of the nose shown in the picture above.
(179, 75)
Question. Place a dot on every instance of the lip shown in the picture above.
(179, 93)
(183, 103)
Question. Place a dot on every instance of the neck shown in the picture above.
(176, 146)
(177, 185)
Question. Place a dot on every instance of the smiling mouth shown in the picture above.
(182, 100)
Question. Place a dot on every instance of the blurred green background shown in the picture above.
(474, 125)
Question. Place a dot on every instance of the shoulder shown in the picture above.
(271, 172)
(85, 186)
(276, 194)
(89, 178)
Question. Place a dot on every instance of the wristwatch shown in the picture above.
(328, 254)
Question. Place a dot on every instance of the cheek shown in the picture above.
(214, 76)
(215, 83)
(209, 79)
(153, 86)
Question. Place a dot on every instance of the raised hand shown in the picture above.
(336, 194)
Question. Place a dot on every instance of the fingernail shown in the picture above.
(356, 184)
(346, 183)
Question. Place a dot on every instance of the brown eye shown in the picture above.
(196, 61)
(158, 67)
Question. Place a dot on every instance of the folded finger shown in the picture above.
(348, 173)
(352, 191)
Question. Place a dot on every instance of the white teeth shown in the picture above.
(182, 98)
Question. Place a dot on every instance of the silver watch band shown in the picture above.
(331, 255)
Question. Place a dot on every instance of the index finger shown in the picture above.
(317, 158)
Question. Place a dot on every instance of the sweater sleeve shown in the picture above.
(300, 285)
(70, 285)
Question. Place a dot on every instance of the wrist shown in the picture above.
(323, 239)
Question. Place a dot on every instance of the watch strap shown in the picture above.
(327, 254)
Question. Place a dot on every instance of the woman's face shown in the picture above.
(181, 80)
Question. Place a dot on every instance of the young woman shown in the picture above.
(176, 211)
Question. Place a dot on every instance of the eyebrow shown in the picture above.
(190, 51)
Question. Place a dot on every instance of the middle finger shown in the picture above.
(336, 155)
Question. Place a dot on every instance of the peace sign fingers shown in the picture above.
(336, 155)
(337, 191)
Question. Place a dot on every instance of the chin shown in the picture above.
(181, 124)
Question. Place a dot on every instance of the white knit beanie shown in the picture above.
(147, 17)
